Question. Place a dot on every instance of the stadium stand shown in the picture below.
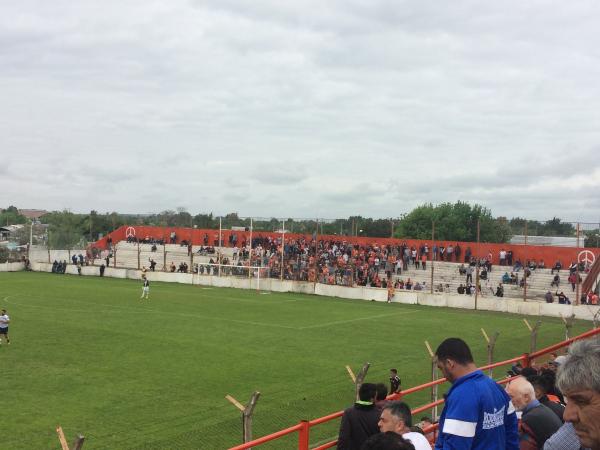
(338, 263)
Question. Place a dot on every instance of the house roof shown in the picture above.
(11, 228)
(33, 213)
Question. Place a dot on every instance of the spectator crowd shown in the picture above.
(339, 262)
(555, 406)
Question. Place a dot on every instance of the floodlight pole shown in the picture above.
(164, 252)
(249, 253)
(191, 247)
(578, 289)
(525, 266)
(219, 254)
(316, 257)
(30, 239)
(282, 248)
(477, 267)
(431, 253)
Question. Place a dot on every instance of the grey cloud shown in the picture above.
(299, 109)
(285, 177)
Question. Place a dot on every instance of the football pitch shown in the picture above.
(88, 354)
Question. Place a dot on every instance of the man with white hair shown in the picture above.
(579, 380)
(538, 422)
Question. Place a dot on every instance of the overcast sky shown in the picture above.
(301, 109)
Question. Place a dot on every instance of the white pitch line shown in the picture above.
(339, 322)
(124, 309)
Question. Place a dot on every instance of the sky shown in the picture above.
(301, 109)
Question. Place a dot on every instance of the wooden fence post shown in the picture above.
(247, 412)
(359, 378)
(569, 322)
(434, 389)
(77, 444)
(490, 348)
(534, 331)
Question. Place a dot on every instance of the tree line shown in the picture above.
(446, 221)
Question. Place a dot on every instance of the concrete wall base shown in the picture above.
(510, 305)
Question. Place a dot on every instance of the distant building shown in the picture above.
(33, 214)
(556, 241)
(8, 231)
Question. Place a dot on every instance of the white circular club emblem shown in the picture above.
(586, 257)
(130, 232)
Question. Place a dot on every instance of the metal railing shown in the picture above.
(304, 427)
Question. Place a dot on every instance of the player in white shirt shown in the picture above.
(145, 288)
(396, 417)
(4, 321)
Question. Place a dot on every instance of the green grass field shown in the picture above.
(87, 354)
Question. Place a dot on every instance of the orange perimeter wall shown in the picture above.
(523, 252)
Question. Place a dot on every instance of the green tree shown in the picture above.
(4, 253)
(11, 216)
(204, 220)
(453, 222)
(183, 218)
(417, 223)
(592, 238)
(553, 227)
(65, 230)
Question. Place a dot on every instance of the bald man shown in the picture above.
(538, 422)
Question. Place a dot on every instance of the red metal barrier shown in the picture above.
(303, 428)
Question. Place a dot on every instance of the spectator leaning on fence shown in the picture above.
(359, 421)
(478, 414)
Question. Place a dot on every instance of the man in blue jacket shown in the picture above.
(478, 413)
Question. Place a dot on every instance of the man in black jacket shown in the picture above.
(542, 384)
(359, 421)
(538, 422)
